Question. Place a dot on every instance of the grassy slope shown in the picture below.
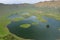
(50, 9)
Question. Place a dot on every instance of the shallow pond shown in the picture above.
(37, 30)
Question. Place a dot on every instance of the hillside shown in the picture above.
(7, 8)
(50, 9)
(48, 3)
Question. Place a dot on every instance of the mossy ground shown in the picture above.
(38, 12)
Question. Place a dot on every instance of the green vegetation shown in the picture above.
(3, 28)
(18, 19)
(34, 23)
(55, 16)
(39, 12)
(25, 25)
(58, 29)
(11, 37)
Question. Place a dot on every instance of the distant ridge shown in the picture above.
(48, 3)
(39, 4)
(14, 5)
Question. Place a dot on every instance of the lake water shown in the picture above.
(38, 31)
